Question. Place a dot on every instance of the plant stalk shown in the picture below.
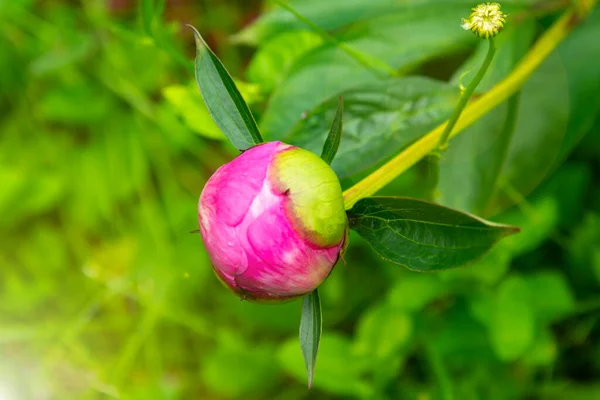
(466, 95)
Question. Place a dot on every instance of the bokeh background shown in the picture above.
(105, 145)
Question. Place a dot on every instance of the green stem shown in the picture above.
(464, 98)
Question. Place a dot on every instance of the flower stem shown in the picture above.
(464, 98)
(498, 94)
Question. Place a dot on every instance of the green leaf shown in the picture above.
(332, 143)
(192, 110)
(273, 60)
(551, 296)
(414, 291)
(223, 100)
(328, 15)
(423, 236)
(310, 332)
(512, 322)
(379, 120)
(327, 71)
(382, 331)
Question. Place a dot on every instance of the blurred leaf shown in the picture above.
(432, 32)
(512, 321)
(193, 111)
(379, 120)
(235, 370)
(62, 104)
(570, 390)
(339, 370)
(537, 221)
(414, 291)
(583, 78)
(470, 167)
(423, 236)
(551, 118)
(460, 338)
(551, 296)
(150, 10)
(382, 332)
(256, 318)
(223, 100)
(332, 143)
(544, 350)
(583, 250)
(70, 49)
(569, 186)
(273, 60)
(311, 326)
(331, 15)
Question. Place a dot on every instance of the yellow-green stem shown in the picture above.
(466, 95)
(499, 93)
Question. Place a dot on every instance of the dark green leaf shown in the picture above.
(332, 143)
(223, 100)
(423, 236)
(379, 120)
(310, 332)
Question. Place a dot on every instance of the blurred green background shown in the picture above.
(105, 145)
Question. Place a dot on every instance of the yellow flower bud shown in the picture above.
(486, 20)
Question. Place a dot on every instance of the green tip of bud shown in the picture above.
(316, 205)
(486, 20)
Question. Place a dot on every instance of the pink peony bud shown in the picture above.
(273, 222)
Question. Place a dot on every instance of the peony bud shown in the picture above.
(273, 222)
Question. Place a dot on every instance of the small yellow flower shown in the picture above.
(486, 20)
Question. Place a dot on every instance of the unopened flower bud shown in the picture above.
(273, 222)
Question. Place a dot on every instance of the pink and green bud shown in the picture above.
(273, 222)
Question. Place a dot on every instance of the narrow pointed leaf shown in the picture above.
(310, 332)
(223, 99)
(332, 143)
(424, 236)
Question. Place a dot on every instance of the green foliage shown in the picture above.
(332, 143)
(223, 99)
(394, 112)
(423, 236)
(311, 324)
(105, 147)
